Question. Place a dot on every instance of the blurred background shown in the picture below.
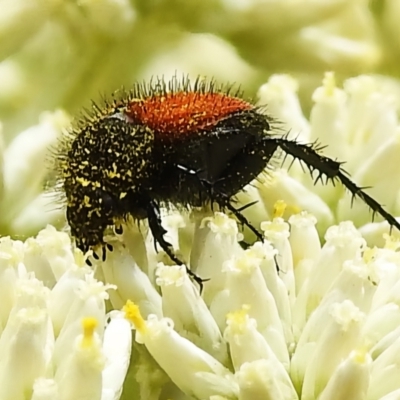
(58, 55)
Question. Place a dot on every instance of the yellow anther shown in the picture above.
(132, 314)
(89, 324)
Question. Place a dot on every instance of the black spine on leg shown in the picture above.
(242, 219)
(331, 169)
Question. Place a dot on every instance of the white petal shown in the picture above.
(194, 371)
(215, 241)
(117, 347)
(350, 380)
(192, 319)
(79, 374)
(280, 95)
(45, 389)
(88, 301)
(24, 352)
(247, 287)
(121, 269)
(259, 380)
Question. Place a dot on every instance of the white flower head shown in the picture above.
(292, 317)
(42, 347)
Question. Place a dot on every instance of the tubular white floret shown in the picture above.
(25, 351)
(117, 347)
(384, 371)
(121, 269)
(277, 231)
(89, 301)
(132, 233)
(343, 242)
(246, 286)
(304, 240)
(260, 380)
(215, 241)
(351, 378)
(328, 115)
(340, 334)
(79, 373)
(193, 370)
(49, 255)
(266, 253)
(192, 319)
(279, 186)
(64, 293)
(372, 117)
(30, 292)
(246, 343)
(280, 93)
(305, 244)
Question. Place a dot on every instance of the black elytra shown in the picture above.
(189, 144)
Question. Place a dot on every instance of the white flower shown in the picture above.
(285, 319)
(325, 324)
(193, 370)
(358, 124)
(55, 341)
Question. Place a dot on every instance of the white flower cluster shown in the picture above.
(325, 326)
(358, 125)
(55, 340)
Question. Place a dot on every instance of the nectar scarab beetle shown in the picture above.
(189, 144)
